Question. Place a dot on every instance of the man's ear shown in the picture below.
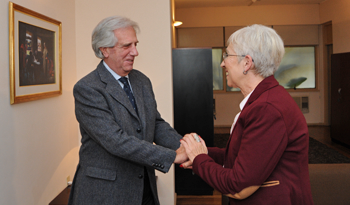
(104, 51)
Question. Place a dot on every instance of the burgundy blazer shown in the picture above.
(270, 142)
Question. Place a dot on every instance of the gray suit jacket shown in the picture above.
(116, 142)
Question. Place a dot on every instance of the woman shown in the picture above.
(266, 157)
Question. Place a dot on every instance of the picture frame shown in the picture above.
(35, 51)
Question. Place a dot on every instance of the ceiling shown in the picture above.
(223, 3)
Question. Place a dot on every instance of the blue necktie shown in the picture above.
(128, 92)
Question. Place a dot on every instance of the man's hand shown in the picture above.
(181, 155)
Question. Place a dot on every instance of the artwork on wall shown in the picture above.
(35, 55)
(297, 68)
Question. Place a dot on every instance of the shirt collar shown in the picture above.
(244, 101)
(115, 75)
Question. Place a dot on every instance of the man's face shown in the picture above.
(120, 58)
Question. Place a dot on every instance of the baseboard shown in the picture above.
(318, 125)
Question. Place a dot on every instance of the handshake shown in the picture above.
(191, 146)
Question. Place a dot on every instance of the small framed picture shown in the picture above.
(35, 55)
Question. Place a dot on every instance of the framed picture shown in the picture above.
(298, 68)
(35, 55)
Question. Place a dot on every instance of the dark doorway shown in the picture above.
(340, 98)
(193, 109)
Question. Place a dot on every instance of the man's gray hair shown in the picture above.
(103, 34)
(263, 44)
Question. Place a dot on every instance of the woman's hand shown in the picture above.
(193, 148)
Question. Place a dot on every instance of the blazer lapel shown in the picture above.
(114, 89)
(263, 86)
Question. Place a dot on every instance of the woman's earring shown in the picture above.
(245, 72)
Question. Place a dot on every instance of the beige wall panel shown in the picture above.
(337, 11)
(247, 15)
(227, 107)
(200, 37)
(230, 30)
(298, 35)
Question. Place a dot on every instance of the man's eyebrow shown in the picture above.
(128, 44)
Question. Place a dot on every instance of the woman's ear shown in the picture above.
(249, 63)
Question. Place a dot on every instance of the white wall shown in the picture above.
(38, 139)
(154, 58)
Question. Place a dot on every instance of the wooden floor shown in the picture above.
(215, 199)
(320, 133)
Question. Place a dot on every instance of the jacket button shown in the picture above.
(162, 166)
(140, 176)
(138, 130)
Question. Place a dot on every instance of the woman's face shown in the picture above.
(233, 68)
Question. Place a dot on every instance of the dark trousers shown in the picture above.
(147, 198)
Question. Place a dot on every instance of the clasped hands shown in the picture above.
(189, 149)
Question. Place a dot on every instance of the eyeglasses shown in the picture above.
(225, 55)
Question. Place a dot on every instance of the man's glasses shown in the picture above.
(225, 55)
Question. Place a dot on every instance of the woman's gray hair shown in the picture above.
(103, 34)
(263, 44)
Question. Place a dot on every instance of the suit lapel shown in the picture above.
(114, 89)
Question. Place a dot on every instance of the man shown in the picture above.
(119, 122)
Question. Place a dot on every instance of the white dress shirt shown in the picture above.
(241, 106)
(116, 76)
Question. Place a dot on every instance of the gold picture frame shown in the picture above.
(35, 43)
